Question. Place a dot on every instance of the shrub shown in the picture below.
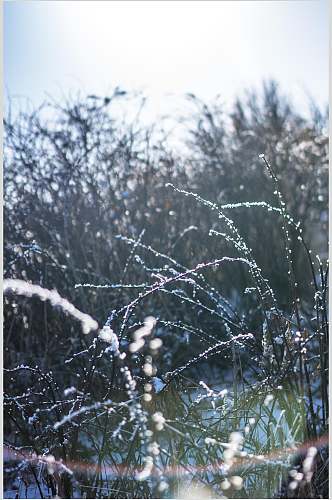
(228, 379)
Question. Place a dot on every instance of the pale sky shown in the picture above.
(165, 48)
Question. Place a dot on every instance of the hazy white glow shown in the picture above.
(166, 48)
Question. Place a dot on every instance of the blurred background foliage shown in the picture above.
(76, 175)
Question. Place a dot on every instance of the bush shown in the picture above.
(229, 378)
